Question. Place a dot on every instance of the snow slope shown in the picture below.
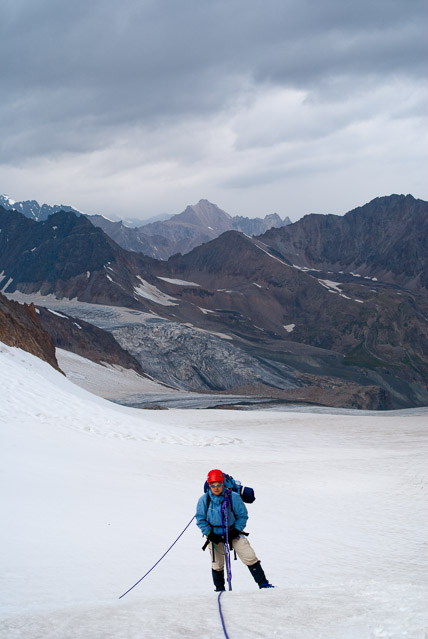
(94, 493)
(107, 380)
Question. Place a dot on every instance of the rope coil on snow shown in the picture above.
(225, 526)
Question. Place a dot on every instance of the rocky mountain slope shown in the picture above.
(69, 257)
(20, 326)
(132, 239)
(385, 239)
(266, 303)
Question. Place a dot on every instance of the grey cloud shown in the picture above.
(77, 72)
(110, 102)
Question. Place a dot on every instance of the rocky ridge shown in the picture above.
(385, 239)
(33, 210)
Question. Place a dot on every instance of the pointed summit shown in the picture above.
(207, 216)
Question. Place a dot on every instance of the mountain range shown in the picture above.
(32, 209)
(160, 239)
(197, 224)
(330, 309)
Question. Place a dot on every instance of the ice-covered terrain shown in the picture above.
(126, 387)
(94, 493)
(182, 356)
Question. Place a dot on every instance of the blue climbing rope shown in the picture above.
(226, 505)
(136, 584)
(221, 616)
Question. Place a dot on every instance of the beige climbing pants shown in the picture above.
(242, 547)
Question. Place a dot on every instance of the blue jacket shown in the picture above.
(209, 518)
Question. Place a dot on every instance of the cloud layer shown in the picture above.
(144, 106)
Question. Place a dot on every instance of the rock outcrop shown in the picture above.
(20, 327)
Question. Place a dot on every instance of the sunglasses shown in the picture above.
(216, 485)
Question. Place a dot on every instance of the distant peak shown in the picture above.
(207, 213)
(206, 204)
(7, 200)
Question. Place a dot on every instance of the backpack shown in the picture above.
(245, 492)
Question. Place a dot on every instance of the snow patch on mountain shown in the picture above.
(56, 313)
(330, 285)
(205, 311)
(5, 286)
(258, 243)
(333, 287)
(153, 294)
(6, 202)
(178, 282)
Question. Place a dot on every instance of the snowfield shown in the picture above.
(94, 493)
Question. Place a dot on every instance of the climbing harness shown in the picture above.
(159, 560)
(221, 616)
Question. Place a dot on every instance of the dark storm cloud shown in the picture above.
(75, 74)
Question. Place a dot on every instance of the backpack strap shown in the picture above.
(208, 499)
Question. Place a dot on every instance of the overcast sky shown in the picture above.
(140, 107)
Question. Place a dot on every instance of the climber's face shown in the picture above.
(217, 487)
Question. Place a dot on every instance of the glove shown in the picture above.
(233, 533)
(212, 536)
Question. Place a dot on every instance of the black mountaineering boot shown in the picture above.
(259, 576)
(218, 579)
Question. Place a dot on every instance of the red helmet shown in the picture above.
(215, 475)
